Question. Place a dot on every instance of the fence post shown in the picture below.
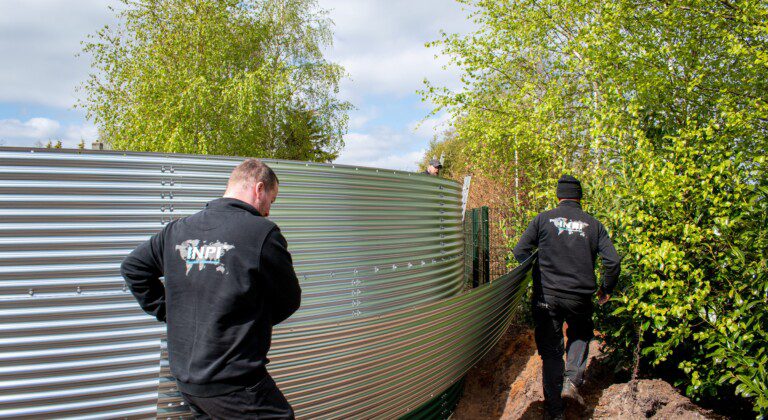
(467, 229)
(485, 244)
(475, 247)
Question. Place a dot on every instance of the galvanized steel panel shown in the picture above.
(379, 255)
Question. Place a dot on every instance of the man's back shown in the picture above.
(228, 279)
(568, 241)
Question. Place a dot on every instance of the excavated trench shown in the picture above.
(506, 384)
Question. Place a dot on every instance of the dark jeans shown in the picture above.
(260, 401)
(549, 312)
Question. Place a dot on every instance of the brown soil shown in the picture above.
(506, 384)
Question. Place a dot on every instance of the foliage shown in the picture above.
(228, 77)
(660, 108)
(451, 148)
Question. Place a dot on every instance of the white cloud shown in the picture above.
(15, 132)
(87, 132)
(383, 148)
(361, 148)
(381, 43)
(34, 128)
(399, 72)
(402, 162)
(38, 43)
(431, 127)
(358, 119)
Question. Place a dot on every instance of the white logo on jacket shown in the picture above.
(197, 252)
(571, 226)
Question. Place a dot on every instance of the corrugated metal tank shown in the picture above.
(383, 325)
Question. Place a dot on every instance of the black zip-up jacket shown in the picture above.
(228, 279)
(568, 240)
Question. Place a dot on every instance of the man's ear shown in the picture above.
(259, 188)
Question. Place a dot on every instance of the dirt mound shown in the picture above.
(506, 384)
(501, 373)
(646, 399)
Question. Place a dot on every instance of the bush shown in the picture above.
(692, 226)
(660, 109)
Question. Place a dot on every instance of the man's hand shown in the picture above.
(602, 297)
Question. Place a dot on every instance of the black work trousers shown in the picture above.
(264, 400)
(549, 312)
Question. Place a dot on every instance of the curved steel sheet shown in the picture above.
(379, 255)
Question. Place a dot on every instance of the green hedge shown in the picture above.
(660, 108)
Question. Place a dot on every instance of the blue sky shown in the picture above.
(380, 43)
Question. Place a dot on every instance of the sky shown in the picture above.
(379, 42)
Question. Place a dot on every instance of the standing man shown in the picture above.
(434, 167)
(229, 279)
(568, 241)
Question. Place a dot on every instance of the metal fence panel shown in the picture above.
(379, 255)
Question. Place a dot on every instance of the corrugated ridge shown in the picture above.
(365, 241)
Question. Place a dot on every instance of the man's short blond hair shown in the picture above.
(251, 172)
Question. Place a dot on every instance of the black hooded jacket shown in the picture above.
(229, 279)
(568, 241)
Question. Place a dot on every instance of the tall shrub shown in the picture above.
(661, 109)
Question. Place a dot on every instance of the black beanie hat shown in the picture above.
(568, 187)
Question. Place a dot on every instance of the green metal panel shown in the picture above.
(485, 245)
(383, 325)
(440, 407)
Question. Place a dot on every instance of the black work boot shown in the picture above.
(571, 393)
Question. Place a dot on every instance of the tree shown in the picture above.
(304, 138)
(217, 77)
(450, 148)
(660, 107)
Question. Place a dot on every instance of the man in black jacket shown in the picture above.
(568, 241)
(229, 279)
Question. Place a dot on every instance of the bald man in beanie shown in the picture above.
(569, 241)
